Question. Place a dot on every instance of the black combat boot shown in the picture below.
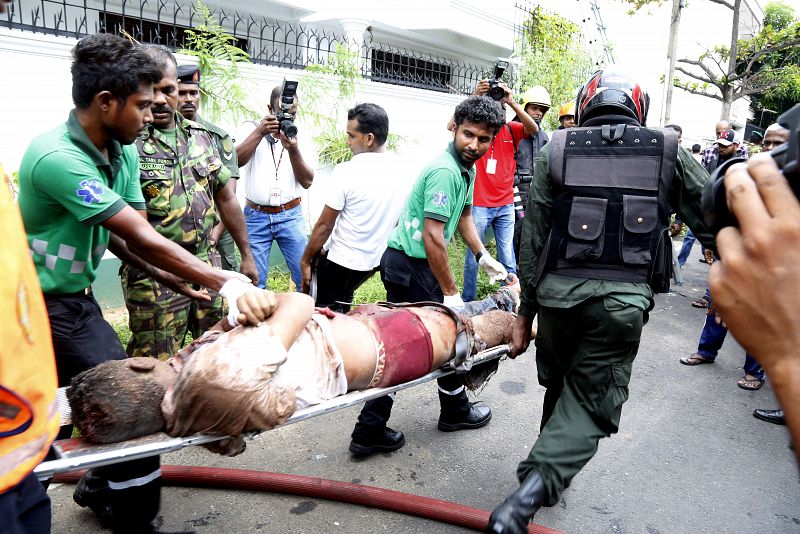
(514, 514)
(457, 413)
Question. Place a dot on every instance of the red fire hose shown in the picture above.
(394, 501)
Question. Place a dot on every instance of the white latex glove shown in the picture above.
(453, 301)
(493, 268)
(231, 291)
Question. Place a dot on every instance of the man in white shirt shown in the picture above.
(364, 203)
(274, 174)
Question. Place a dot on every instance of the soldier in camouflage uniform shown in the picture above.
(188, 101)
(185, 187)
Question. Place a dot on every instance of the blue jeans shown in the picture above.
(287, 228)
(686, 248)
(711, 339)
(501, 221)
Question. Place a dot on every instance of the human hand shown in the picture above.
(520, 335)
(756, 285)
(249, 269)
(508, 98)
(256, 305)
(453, 301)
(493, 268)
(268, 125)
(305, 272)
(482, 88)
(179, 285)
(708, 255)
(675, 229)
(236, 286)
(289, 143)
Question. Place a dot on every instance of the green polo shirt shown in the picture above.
(559, 291)
(67, 189)
(442, 190)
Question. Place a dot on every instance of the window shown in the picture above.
(404, 70)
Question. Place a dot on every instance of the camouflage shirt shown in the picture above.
(179, 188)
(224, 144)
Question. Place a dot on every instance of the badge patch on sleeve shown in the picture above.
(90, 191)
(440, 199)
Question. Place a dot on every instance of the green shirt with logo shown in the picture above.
(442, 190)
(67, 189)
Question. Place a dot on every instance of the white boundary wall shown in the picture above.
(35, 70)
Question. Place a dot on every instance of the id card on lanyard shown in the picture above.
(275, 190)
(491, 163)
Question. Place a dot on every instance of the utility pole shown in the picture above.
(677, 6)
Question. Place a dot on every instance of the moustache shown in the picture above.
(161, 109)
(188, 107)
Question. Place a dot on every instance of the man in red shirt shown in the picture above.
(493, 199)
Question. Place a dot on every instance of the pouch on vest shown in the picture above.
(586, 224)
(639, 218)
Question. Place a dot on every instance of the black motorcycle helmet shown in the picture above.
(611, 91)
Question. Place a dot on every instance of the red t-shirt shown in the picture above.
(495, 190)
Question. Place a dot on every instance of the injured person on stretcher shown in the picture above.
(253, 378)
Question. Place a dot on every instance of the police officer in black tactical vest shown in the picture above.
(594, 250)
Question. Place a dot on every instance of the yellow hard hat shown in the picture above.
(536, 95)
(567, 109)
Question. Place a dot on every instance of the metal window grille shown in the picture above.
(268, 41)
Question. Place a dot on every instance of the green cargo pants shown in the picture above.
(227, 251)
(584, 356)
(159, 318)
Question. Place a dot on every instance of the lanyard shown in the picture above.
(280, 158)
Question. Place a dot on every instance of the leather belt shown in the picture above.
(82, 293)
(273, 209)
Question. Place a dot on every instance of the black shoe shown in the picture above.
(92, 492)
(475, 417)
(514, 514)
(770, 416)
(388, 442)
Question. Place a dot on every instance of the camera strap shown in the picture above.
(280, 158)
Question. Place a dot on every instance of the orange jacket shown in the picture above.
(28, 411)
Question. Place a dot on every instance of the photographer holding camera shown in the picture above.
(493, 199)
(273, 185)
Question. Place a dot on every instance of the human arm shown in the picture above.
(231, 214)
(245, 150)
(319, 235)
(756, 284)
(468, 231)
(303, 173)
(531, 128)
(535, 232)
(686, 195)
(436, 252)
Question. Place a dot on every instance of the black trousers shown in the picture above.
(25, 508)
(406, 279)
(336, 283)
(82, 338)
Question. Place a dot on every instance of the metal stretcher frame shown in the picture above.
(76, 453)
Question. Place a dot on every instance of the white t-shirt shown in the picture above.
(260, 176)
(369, 191)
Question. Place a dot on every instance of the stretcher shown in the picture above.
(77, 453)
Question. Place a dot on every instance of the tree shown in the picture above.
(553, 55)
(742, 68)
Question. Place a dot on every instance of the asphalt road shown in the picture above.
(689, 457)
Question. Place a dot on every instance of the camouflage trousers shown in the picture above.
(227, 250)
(159, 318)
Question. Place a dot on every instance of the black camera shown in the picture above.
(286, 119)
(495, 91)
(715, 203)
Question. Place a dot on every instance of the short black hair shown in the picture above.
(696, 148)
(372, 119)
(675, 127)
(480, 110)
(107, 62)
(160, 54)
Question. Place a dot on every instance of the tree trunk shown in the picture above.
(727, 94)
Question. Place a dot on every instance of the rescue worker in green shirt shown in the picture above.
(594, 250)
(185, 187)
(188, 101)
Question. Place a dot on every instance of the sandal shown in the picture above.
(702, 302)
(750, 383)
(695, 359)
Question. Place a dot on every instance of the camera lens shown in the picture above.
(497, 93)
(288, 128)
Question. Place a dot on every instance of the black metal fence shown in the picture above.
(268, 41)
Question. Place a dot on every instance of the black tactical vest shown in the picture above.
(610, 212)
